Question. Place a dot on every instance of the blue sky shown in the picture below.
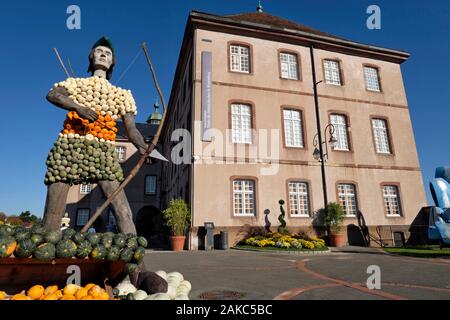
(30, 29)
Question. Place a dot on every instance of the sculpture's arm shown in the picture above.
(60, 98)
(133, 133)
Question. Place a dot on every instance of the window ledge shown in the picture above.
(333, 84)
(241, 72)
(289, 79)
(384, 154)
(244, 216)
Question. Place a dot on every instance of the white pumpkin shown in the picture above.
(126, 288)
(171, 291)
(173, 282)
(182, 290)
(162, 274)
(186, 284)
(175, 275)
(140, 295)
(181, 297)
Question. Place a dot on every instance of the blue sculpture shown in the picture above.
(439, 225)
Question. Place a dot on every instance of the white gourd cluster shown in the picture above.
(178, 288)
(99, 95)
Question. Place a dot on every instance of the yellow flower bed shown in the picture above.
(277, 240)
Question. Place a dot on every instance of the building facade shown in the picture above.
(243, 89)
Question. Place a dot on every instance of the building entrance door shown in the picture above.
(150, 224)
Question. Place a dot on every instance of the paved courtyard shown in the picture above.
(338, 275)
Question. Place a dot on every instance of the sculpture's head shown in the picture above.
(102, 57)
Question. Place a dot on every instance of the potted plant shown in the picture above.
(178, 217)
(334, 219)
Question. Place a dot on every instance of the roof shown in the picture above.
(274, 27)
(155, 116)
(274, 21)
(147, 130)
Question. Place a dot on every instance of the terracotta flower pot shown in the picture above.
(177, 243)
(337, 240)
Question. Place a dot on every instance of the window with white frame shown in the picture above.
(372, 79)
(332, 72)
(339, 122)
(391, 201)
(289, 66)
(298, 199)
(85, 188)
(241, 122)
(381, 136)
(150, 185)
(121, 153)
(293, 128)
(347, 199)
(244, 198)
(239, 58)
(83, 217)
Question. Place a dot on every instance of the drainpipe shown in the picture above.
(319, 129)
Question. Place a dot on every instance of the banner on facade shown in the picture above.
(206, 95)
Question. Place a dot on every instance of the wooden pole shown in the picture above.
(141, 161)
(61, 62)
(70, 68)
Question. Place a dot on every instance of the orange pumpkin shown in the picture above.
(81, 293)
(36, 292)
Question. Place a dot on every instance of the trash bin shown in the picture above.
(224, 240)
(209, 243)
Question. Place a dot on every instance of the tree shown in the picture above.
(28, 217)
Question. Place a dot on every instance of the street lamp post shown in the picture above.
(318, 141)
(321, 154)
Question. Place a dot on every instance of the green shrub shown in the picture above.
(177, 216)
(282, 228)
(334, 217)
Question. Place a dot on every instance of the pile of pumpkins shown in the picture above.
(69, 292)
(41, 244)
(178, 289)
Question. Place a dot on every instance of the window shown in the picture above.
(347, 199)
(298, 199)
(380, 133)
(85, 188)
(240, 58)
(391, 201)
(289, 66)
(121, 152)
(372, 79)
(241, 123)
(244, 198)
(150, 185)
(83, 217)
(339, 121)
(332, 72)
(293, 128)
